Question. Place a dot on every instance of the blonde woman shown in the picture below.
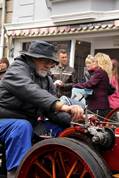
(99, 82)
(104, 61)
(88, 65)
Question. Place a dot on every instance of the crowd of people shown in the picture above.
(31, 87)
(99, 81)
(100, 73)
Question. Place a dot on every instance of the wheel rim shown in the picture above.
(54, 161)
(112, 118)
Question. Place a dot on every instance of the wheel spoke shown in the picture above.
(53, 169)
(83, 173)
(52, 158)
(42, 168)
(72, 169)
(35, 175)
(61, 163)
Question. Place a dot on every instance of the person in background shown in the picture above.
(114, 98)
(63, 75)
(88, 65)
(26, 93)
(99, 82)
(4, 64)
(79, 95)
(104, 61)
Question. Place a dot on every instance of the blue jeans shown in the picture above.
(70, 101)
(17, 136)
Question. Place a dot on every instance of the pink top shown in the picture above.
(114, 98)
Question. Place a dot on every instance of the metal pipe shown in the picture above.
(2, 28)
(72, 53)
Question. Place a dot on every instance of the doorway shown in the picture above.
(82, 50)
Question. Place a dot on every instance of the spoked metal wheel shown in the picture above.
(112, 117)
(62, 158)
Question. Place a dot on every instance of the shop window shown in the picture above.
(62, 45)
(25, 46)
(112, 52)
(58, 45)
(81, 52)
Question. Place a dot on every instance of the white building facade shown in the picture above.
(81, 26)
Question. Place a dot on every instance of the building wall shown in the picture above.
(7, 20)
(0, 12)
(82, 6)
(110, 42)
(44, 13)
(103, 5)
(117, 5)
(0, 17)
(63, 11)
(9, 11)
(32, 11)
(23, 11)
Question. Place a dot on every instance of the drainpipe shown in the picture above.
(2, 28)
(72, 53)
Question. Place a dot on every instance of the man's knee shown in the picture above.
(22, 127)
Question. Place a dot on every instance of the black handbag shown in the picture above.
(111, 89)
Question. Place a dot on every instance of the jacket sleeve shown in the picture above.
(92, 82)
(19, 82)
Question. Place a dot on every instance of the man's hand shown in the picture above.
(75, 111)
(58, 83)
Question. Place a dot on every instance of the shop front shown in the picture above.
(78, 39)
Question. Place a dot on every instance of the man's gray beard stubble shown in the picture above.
(42, 73)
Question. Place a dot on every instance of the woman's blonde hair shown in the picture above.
(104, 61)
(89, 59)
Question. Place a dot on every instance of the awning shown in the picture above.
(65, 30)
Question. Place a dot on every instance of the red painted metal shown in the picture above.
(108, 116)
(112, 156)
(70, 131)
(67, 155)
